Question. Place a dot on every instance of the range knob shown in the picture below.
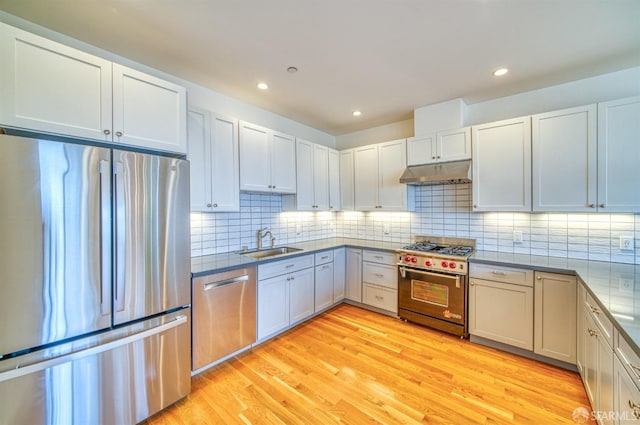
(407, 259)
(414, 260)
(452, 265)
(427, 263)
(445, 264)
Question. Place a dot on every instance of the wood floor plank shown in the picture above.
(354, 366)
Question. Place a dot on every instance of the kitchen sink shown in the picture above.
(270, 252)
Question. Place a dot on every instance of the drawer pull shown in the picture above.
(636, 409)
(289, 266)
(213, 285)
(592, 332)
(497, 273)
(378, 256)
(326, 266)
(379, 298)
(324, 257)
(379, 275)
(595, 310)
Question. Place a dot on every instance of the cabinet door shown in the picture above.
(225, 169)
(618, 155)
(347, 184)
(605, 380)
(301, 293)
(335, 203)
(273, 305)
(501, 312)
(564, 160)
(422, 149)
(590, 366)
(199, 155)
(324, 286)
(321, 177)
(354, 275)
(626, 396)
(502, 165)
(339, 274)
(392, 157)
(283, 163)
(582, 336)
(52, 88)
(304, 175)
(366, 178)
(454, 145)
(555, 316)
(255, 157)
(148, 112)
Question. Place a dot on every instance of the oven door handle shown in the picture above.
(403, 273)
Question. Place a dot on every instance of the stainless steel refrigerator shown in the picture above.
(94, 283)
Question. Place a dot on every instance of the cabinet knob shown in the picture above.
(107, 131)
(592, 205)
(215, 205)
(602, 205)
(475, 206)
(471, 283)
(208, 205)
(539, 277)
(119, 133)
(433, 157)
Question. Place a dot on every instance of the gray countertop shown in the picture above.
(615, 286)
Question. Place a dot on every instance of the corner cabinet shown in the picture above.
(52, 88)
(564, 147)
(377, 171)
(267, 160)
(443, 146)
(502, 165)
(213, 154)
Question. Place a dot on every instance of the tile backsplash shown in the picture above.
(442, 210)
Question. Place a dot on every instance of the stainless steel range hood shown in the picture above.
(439, 173)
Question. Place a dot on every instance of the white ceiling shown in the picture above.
(384, 57)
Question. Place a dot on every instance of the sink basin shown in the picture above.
(270, 252)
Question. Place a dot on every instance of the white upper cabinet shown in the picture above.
(335, 203)
(267, 160)
(49, 87)
(347, 184)
(502, 165)
(564, 170)
(443, 146)
(147, 111)
(213, 154)
(377, 171)
(618, 155)
(312, 178)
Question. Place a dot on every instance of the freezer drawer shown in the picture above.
(115, 381)
(224, 318)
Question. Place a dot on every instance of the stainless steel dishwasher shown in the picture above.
(224, 314)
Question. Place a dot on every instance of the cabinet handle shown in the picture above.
(592, 332)
(497, 273)
(326, 267)
(602, 205)
(379, 275)
(378, 256)
(594, 310)
(107, 132)
(592, 205)
(379, 298)
(324, 257)
(289, 266)
(636, 409)
(119, 133)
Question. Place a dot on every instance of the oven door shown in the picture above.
(438, 295)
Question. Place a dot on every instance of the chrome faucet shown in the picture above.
(262, 234)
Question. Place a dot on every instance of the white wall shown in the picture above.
(197, 95)
(384, 133)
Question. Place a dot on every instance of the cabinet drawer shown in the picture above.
(628, 357)
(284, 266)
(324, 257)
(379, 257)
(376, 296)
(601, 320)
(501, 274)
(380, 274)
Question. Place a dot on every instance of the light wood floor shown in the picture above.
(353, 366)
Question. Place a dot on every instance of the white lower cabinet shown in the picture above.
(324, 280)
(626, 395)
(285, 293)
(555, 316)
(353, 285)
(339, 274)
(380, 280)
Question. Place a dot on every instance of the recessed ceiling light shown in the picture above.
(292, 70)
(500, 72)
(263, 86)
(356, 113)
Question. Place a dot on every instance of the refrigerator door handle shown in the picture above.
(105, 236)
(120, 235)
(37, 367)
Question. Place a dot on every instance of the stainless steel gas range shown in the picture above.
(432, 283)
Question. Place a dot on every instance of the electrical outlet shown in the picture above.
(386, 229)
(626, 243)
(298, 229)
(517, 236)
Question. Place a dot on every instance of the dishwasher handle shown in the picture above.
(212, 285)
